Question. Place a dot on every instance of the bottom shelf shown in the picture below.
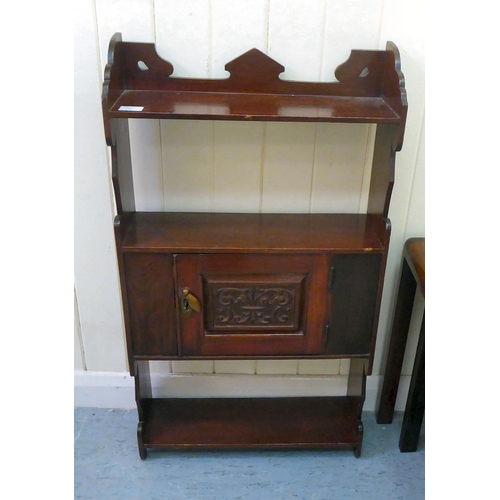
(312, 422)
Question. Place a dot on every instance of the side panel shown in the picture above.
(150, 292)
(353, 303)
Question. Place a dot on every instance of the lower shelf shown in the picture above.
(269, 423)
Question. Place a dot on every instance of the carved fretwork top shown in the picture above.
(138, 84)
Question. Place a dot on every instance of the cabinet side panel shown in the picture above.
(353, 303)
(150, 292)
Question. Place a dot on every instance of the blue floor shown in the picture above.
(107, 466)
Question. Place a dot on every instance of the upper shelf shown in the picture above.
(138, 84)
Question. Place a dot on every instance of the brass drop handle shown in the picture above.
(189, 302)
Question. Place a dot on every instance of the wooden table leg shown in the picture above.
(415, 404)
(399, 335)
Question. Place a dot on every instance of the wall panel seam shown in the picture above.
(367, 168)
(162, 166)
(153, 13)
(381, 25)
(313, 167)
(98, 45)
(262, 165)
(268, 25)
(210, 59)
(79, 330)
(415, 167)
(100, 66)
(212, 159)
(322, 49)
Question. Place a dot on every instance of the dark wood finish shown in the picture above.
(353, 301)
(415, 404)
(252, 303)
(143, 395)
(397, 345)
(226, 423)
(395, 91)
(121, 167)
(367, 91)
(143, 391)
(161, 104)
(356, 391)
(117, 136)
(236, 286)
(151, 299)
(412, 274)
(256, 233)
(382, 178)
(383, 226)
(121, 225)
(356, 386)
(307, 275)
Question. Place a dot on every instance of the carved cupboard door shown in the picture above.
(240, 305)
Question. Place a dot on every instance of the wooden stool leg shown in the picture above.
(415, 404)
(399, 335)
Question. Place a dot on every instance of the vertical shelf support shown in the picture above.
(121, 165)
(356, 388)
(143, 396)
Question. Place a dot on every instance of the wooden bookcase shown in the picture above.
(252, 286)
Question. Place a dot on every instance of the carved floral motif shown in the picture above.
(254, 305)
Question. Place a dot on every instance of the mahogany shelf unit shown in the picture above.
(252, 286)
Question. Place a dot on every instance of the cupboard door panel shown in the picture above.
(353, 303)
(252, 305)
(151, 301)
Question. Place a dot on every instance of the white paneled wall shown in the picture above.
(79, 360)
(239, 167)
